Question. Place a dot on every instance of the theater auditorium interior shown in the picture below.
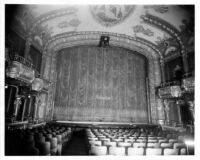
(97, 80)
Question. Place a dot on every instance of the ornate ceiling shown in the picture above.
(161, 25)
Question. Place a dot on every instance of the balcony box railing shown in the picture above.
(40, 84)
(188, 84)
(170, 90)
(19, 71)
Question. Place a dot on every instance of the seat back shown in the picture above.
(138, 145)
(118, 151)
(183, 151)
(166, 145)
(108, 143)
(98, 150)
(169, 151)
(44, 148)
(95, 143)
(178, 145)
(153, 145)
(173, 140)
(124, 144)
(129, 140)
(152, 140)
(135, 151)
(153, 151)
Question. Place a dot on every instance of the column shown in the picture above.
(35, 108)
(185, 62)
(162, 66)
(9, 99)
(27, 47)
(24, 108)
(44, 58)
(29, 107)
(160, 112)
(17, 103)
(46, 65)
(167, 108)
(179, 103)
(191, 108)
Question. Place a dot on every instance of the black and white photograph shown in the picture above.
(99, 80)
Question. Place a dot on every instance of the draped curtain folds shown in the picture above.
(101, 85)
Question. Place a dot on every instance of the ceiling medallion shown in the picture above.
(110, 15)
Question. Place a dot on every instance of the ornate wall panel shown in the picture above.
(101, 84)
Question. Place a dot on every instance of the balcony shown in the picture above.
(176, 89)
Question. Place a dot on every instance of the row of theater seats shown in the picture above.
(47, 140)
(134, 142)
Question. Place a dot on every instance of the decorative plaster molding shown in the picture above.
(94, 36)
(163, 25)
(158, 8)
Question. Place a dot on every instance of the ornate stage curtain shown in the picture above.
(101, 85)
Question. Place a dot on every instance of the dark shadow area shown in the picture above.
(77, 145)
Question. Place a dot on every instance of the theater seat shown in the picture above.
(59, 139)
(44, 148)
(95, 143)
(129, 140)
(117, 140)
(153, 145)
(163, 140)
(179, 145)
(152, 140)
(138, 145)
(124, 144)
(117, 151)
(173, 140)
(54, 146)
(32, 151)
(141, 140)
(153, 151)
(166, 145)
(169, 151)
(135, 151)
(183, 151)
(108, 143)
(98, 150)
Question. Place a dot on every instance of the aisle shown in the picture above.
(77, 144)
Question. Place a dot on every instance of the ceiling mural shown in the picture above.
(141, 29)
(71, 23)
(67, 22)
(110, 15)
(165, 26)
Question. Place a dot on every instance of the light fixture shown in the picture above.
(104, 41)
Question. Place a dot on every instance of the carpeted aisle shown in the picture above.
(77, 145)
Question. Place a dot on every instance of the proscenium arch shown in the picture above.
(116, 40)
